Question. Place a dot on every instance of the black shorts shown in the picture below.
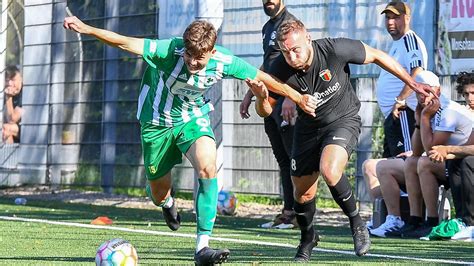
(309, 142)
(397, 133)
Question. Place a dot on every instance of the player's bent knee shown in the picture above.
(208, 171)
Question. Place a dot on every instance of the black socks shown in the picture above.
(304, 215)
(344, 197)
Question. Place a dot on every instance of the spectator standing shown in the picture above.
(279, 125)
(396, 101)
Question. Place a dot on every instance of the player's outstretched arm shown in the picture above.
(263, 107)
(130, 44)
(391, 65)
(306, 102)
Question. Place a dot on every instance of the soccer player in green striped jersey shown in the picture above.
(174, 115)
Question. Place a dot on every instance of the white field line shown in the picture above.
(262, 243)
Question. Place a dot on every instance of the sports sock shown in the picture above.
(432, 221)
(342, 194)
(202, 241)
(304, 216)
(415, 220)
(206, 205)
(166, 203)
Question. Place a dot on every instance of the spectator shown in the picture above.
(397, 103)
(12, 105)
(465, 87)
(279, 125)
(439, 122)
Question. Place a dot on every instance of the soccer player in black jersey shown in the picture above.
(279, 125)
(323, 143)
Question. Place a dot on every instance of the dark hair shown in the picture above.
(463, 79)
(289, 26)
(10, 72)
(199, 37)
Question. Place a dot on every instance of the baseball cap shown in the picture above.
(398, 8)
(427, 77)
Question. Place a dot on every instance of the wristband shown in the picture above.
(401, 102)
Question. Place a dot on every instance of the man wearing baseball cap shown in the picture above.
(397, 104)
(440, 121)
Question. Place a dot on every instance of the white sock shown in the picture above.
(202, 241)
(168, 202)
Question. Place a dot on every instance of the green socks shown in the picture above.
(206, 205)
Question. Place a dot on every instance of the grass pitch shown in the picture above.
(41, 243)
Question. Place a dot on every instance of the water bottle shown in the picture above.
(20, 201)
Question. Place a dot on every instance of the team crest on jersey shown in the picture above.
(210, 81)
(325, 75)
(152, 169)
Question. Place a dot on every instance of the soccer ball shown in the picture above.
(116, 252)
(226, 203)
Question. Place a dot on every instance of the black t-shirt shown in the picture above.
(270, 46)
(328, 78)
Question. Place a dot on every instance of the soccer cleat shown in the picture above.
(392, 224)
(360, 235)
(209, 256)
(304, 250)
(172, 217)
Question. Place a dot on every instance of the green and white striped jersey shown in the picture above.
(170, 95)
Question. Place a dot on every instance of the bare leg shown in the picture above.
(412, 181)
(371, 178)
(391, 175)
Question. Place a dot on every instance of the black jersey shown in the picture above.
(270, 46)
(328, 79)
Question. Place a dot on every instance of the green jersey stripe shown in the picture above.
(171, 95)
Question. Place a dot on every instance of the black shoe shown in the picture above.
(303, 254)
(360, 235)
(172, 218)
(209, 256)
(419, 231)
(408, 228)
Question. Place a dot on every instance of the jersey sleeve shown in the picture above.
(240, 69)
(154, 50)
(446, 122)
(414, 55)
(348, 50)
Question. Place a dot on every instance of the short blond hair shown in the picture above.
(199, 37)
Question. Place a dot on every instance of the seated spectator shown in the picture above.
(465, 87)
(440, 121)
(390, 174)
(460, 164)
(12, 105)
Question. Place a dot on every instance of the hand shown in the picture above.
(424, 89)
(405, 154)
(431, 108)
(11, 91)
(75, 24)
(288, 111)
(396, 109)
(244, 105)
(308, 104)
(438, 154)
(258, 88)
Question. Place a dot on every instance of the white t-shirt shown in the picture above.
(453, 117)
(410, 52)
